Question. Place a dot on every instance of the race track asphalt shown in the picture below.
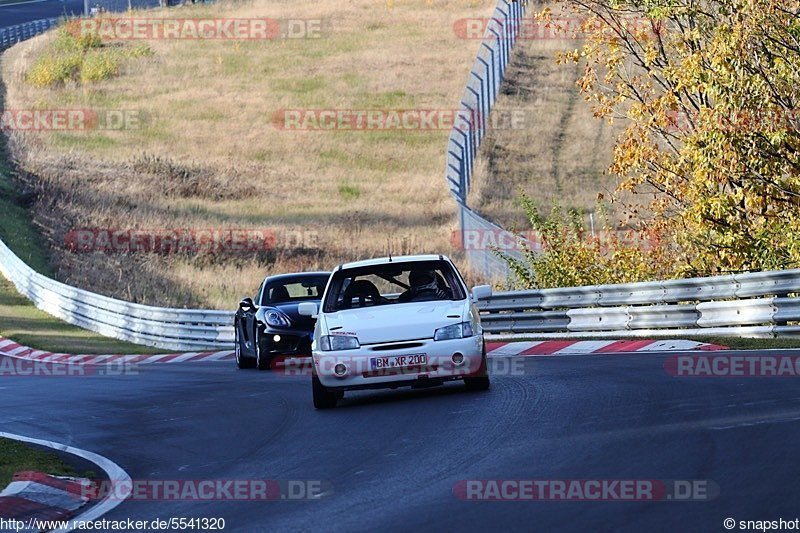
(14, 12)
(390, 459)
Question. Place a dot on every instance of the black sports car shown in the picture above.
(270, 326)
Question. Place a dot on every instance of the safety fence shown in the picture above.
(483, 85)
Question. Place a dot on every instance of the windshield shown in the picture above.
(387, 284)
(294, 289)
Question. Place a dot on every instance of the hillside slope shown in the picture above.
(554, 151)
(206, 153)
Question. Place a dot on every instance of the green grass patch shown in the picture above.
(409, 139)
(80, 140)
(21, 321)
(752, 344)
(386, 100)
(301, 85)
(364, 161)
(349, 192)
(19, 456)
(15, 228)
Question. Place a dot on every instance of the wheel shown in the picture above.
(241, 362)
(323, 397)
(262, 361)
(480, 382)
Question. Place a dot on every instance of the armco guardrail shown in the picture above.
(480, 94)
(756, 304)
(21, 32)
(171, 329)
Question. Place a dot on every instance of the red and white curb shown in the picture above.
(34, 496)
(30, 493)
(10, 348)
(555, 348)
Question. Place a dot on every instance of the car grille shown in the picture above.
(396, 346)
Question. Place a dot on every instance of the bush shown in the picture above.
(98, 66)
(52, 69)
(570, 256)
(81, 57)
(140, 50)
(70, 38)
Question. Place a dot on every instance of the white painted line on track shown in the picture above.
(23, 3)
(121, 482)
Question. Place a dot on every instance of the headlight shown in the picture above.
(333, 343)
(277, 319)
(454, 331)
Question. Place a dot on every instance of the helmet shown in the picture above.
(421, 278)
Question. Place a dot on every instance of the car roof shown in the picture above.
(394, 259)
(280, 277)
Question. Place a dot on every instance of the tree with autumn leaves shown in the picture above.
(708, 91)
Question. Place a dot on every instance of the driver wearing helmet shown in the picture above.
(423, 287)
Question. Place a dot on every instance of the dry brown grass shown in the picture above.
(207, 108)
(562, 152)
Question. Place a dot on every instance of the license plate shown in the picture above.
(398, 361)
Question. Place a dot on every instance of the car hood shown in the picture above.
(395, 322)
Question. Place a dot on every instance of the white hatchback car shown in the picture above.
(395, 322)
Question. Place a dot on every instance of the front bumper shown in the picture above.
(440, 367)
(290, 343)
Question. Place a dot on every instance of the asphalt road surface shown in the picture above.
(390, 459)
(14, 12)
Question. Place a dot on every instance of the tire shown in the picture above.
(262, 361)
(241, 362)
(481, 382)
(323, 397)
(477, 384)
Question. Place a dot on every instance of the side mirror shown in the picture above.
(482, 292)
(307, 309)
(247, 303)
